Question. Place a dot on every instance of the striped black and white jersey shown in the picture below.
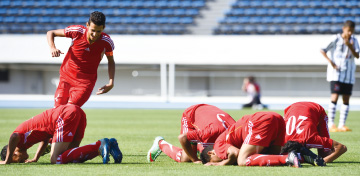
(343, 58)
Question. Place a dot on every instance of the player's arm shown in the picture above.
(328, 59)
(186, 145)
(337, 150)
(232, 154)
(50, 35)
(13, 142)
(350, 45)
(111, 71)
(41, 149)
(246, 151)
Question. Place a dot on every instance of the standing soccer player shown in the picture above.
(341, 72)
(66, 125)
(306, 123)
(78, 72)
(201, 124)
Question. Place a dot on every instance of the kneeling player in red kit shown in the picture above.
(66, 126)
(306, 123)
(201, 124)
(254, 140)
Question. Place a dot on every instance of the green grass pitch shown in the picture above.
(135, 131)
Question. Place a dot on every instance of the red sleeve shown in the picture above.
(221, 146)
(109, 45)
(73, 31)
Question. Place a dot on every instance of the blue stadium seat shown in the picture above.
(255, 3)
(149, 4)
(327, 4)
(303, 4)
(72, 12)
(167, 12)
(238, 12)
(60, 11)
(335, 28)
(155, 12)
(302, 20)
(173, 4)
(275, 29)
(21, 19)
(262, 29)
(291, 4)
(290, 20)
(3, 11)
(238, 28)
(285, 12)
(337, 20)
(274, 11)
(81, 20)
(35, 11)
(315, 4)
(242, 20)
(5, 3)
(320, 11)
(250, 11)
(139, 20)
(323, 29)
(198, 4)
(28, 3)
(24, 11)
(15, 3)
(352, 4)
(267, 20)
(12, 11)
(185, 4)
(279, 3)
(190, 12)
(181, 12)
(268, 4)
(345, 11)
(44, 19)
(299, 29)
(355, 12)
(297, 11)
(310, 29)
(314, 19)
(255, 19)
(174, 20)
(339, 4)
(57, 4)
(325, 20)
(32, 19)
(161, 4)
(56, 19)
(261, 11)
(249, 29)
(286, 29)
(333, 11)
(309, 11)
(186, 20)
(279, 19)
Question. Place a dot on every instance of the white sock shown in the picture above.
(344, 110)
(331, 114)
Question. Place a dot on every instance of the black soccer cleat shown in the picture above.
(293, 160)
(311, 157)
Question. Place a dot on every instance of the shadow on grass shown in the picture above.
(347, 162)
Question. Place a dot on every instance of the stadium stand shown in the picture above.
(287, 17)
(123, 17)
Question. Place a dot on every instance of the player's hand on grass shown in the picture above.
(2, 162)
(55, 52)
(104, 89)
(211, 164)
(31, 161)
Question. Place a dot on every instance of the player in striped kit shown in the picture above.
(201, 124)
(78, 72)
(341, 72)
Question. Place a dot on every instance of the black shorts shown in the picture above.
(340, 88)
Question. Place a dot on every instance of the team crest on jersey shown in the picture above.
(258, 137)
(87, 49)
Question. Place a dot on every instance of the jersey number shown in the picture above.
(290, 125)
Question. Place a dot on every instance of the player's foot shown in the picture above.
(333, 128)
(311, 157)
(343, 129)
(293, 160)
(155, 150)
(115, 150)
(104, 150)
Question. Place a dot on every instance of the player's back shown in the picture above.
(312, 111)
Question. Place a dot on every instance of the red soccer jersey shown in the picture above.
(262, 129)
(82, 60)
(306, 123)
(63, 124)
(203, 123)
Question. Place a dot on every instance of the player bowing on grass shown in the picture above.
(78, 72)
(66, 126)
(306, 123)
(248, 140)
(201, 124)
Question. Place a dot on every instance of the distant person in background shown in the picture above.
(253, 91)
(341, 72)
(78, 72)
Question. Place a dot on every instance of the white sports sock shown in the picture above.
(344, 110)
(331, 114)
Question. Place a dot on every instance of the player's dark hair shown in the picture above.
(205, 158)
(349, 23)
(98, 18)
(291, 146)
(3, 153)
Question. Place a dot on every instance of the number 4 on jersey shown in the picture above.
(291, 123)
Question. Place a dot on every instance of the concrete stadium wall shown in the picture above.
(204, 65)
